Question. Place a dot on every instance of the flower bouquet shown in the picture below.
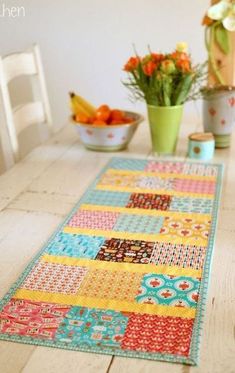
(219, 95)
(219, 21)
(165, 82)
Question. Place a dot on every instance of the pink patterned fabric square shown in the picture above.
(180, 255)
(32, 319)
(94, 219)
(55, 278)
(194, 186)
(165, 167)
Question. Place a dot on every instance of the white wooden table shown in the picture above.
(37, 194)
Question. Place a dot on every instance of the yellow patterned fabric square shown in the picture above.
(120, 285)
(116, 179)
(190, 230)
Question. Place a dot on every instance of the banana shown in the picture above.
(87, 106)
(80, 105)
(76, 107)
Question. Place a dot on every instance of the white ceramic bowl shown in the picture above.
(108, 138)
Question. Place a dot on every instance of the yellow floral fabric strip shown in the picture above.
(113, 171)
(110, 304)
(174, 239)
(139, 211)
(130, 267)
(116, 188)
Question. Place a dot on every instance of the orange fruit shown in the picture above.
(82, 118)
(91, 120)
(116, 121)
(99, 122)
(117, 115)
(103, 113)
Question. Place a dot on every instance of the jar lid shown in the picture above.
(201, 136)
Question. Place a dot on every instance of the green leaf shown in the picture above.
(167, 90)
(182, 90)
(222, 39)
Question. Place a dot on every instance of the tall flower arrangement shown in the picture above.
(219, 21)
(218, 103)
(163, 79)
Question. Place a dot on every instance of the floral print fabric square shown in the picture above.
(192, 230)
(55, 278)
(170, 290)
(155, 183)
(123, 180)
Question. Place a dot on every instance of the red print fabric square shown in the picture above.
(32, 319)
(149, 201)
(158, 334)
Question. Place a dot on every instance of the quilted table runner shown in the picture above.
(127, 272)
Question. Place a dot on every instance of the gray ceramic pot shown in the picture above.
(219, 114)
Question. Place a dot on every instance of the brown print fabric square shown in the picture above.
(130, 251)
(149, 201)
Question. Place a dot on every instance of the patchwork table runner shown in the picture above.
(127, 272)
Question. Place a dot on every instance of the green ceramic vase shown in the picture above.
(164, 124)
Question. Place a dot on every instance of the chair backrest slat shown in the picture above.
(17, 119)
(19, 64)
(29, 114)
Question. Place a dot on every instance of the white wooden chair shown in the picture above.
(26, 63)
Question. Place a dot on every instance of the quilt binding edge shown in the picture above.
(200, 314)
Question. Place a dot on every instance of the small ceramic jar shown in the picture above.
(201, 146)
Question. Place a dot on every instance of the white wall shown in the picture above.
(84, 43)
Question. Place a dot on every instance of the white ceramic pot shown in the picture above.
(219, 114)
(108, 138)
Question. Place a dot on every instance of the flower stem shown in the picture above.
(209, 46)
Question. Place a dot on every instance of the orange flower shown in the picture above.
(132, 64)
(157, 57)
(183, 65)
(149, 68)
(180, 56)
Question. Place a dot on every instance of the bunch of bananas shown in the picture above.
(81, 109)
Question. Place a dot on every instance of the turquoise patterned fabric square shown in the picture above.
(73, 245)
(139, 223)
(128, 164)
(169, 290)
(107, 198)
(194, 205)
(92, 327)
